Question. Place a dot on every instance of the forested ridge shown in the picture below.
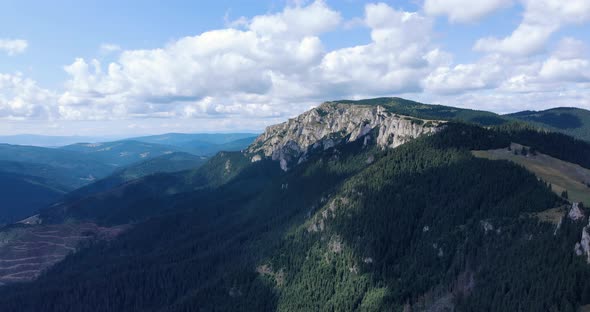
(354, 228)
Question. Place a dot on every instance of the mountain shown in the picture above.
(569, 120)
(85, 167)
(47, 140)
(333, 123)
(179, 139)
(120, 153)
(34, 177)
(173, 162)
(75, 166)
(433, 112)
(351, 206)
(126, 152)
(60, 169)
(62, 178)
(205, 144)
(23, 194)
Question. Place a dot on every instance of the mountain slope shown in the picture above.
(350, 224)
(83, 166)
(34, 177)
(62, 178)
(22, 195)
(204, 144)
(120, 153)
(179, 139)
(47, 140)
(569, 120)
(563, 176)
(167, 163)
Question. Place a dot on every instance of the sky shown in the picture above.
(145, 67)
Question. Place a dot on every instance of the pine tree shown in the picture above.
(564, 194)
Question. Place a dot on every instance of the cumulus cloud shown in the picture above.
(263, 69)
(273, 60)
(541, 19)
(399, 55)
(568, 63)
(22, 98)
(13, 46)
(462, 11)
(297, 21)
(262, 63)
(485, 74)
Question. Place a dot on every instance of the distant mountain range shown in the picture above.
(164, 139)
(51, 141)
(49, 173)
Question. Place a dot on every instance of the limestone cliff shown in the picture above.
(332, 123)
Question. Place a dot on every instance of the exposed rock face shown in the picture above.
(583, 247)
(331, 123)
(575, 212)
(487, 226)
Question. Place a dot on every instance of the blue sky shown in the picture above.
(138, 67)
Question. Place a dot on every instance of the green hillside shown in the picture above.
(120, 153)
(178, 139)
(23, 194)
(163, 164)
(569, 120)
(34, 177)
(203, 144)
(83, 166)
(67, 179)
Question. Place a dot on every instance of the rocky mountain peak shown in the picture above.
(332, 123)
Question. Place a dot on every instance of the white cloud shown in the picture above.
(566, 70)
(242, 70)
(297, 21)
(13, 46)
(541, 19)
(21, 98)
(464, 10)
(568, 63)
(260, 70)
(507, 84)
(571, 48)
(485, 74)
(107, 48)
(398, 56)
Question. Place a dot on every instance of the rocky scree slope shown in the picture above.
(331, 124)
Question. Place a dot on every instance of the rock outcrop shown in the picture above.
(332, 123)
(583, 247)
(575, 213)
